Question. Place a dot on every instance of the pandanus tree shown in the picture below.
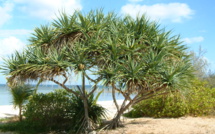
(59, 50)
(141, 61)
(134, 56)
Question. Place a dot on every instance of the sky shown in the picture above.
(193, 20)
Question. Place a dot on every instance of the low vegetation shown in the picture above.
(51, 111)
(199, 100)
(56, 111)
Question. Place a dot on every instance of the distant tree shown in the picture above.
(200, 64)
(20, 94)
(202, 67)
(210, 78)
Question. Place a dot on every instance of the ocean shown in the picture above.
(6, 98)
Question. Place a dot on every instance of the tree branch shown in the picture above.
(95, 81)
(125, 95)
(148, 97)
(66, 78)
(65, 87)
(114, 97)
(94, 89)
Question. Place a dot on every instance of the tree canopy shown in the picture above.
(134, 56)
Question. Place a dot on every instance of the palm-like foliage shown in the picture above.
(134, 56)
(144, 60)
(43, 36)
(20, 95)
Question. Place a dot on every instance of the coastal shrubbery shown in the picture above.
(56, 111)
(60, 110)
(199, 100)
(171, 105)
(51, 111)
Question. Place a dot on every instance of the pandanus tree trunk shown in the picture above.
(86, 112)
(20, 112)
(116, 122)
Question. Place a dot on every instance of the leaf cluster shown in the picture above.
(20, 94)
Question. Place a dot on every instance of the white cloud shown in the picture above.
(175, 12)
(135, 0)
(7, 33)
(5, 10)
(193, 40)
(9, 45)
(47, 9)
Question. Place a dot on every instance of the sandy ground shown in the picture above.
(183, 125)
(110, 107)
(8, 111)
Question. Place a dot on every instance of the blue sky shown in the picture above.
(193, 20)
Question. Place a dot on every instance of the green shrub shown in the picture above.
(171, 105)
(51, 111)
(197, 101)
(60, 110)
(201, 99)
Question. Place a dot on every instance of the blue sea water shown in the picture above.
(6, 98)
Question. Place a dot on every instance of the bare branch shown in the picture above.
(114, 97)
(125, 95)
(95, 81)
(94, 89)
(65, 87)
(78, 87)
(66, 78)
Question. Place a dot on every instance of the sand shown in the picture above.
(183, 125)
(110, 107)
(8, 111)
